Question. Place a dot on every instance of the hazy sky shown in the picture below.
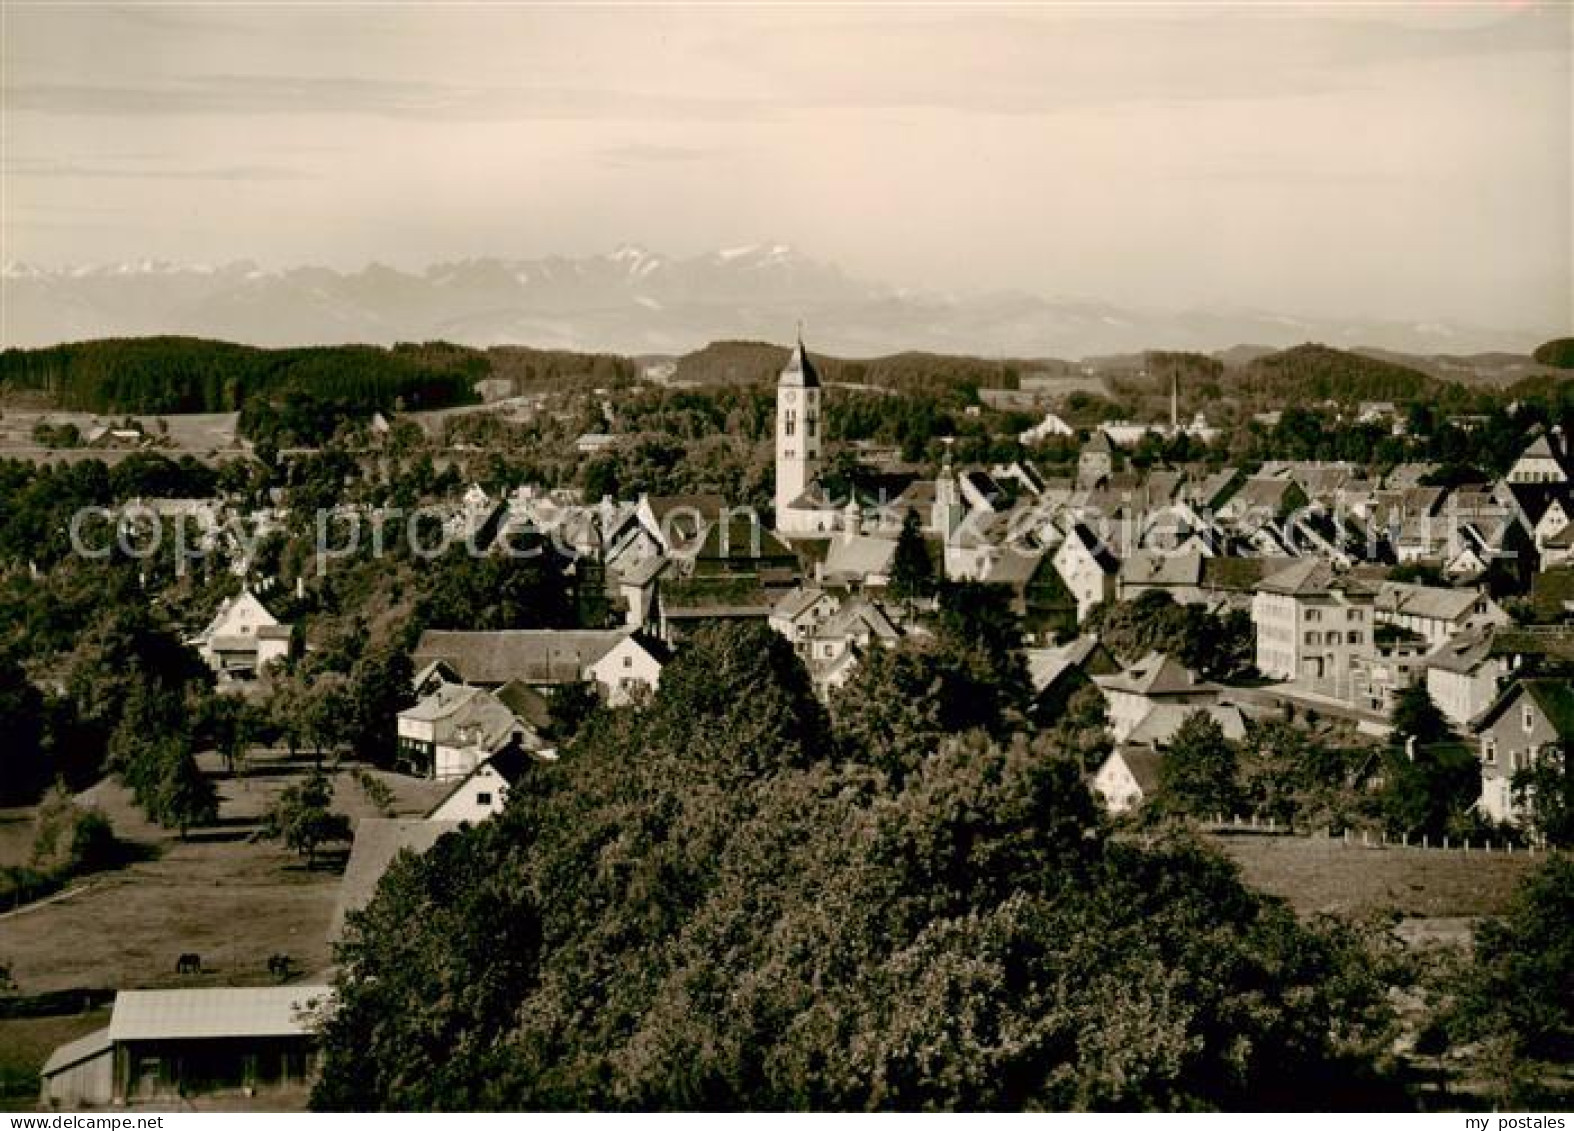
(1403, 161)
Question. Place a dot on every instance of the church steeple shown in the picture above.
(799, 372)
(798, 430)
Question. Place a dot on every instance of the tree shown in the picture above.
(380, 686)
(327, 716)
(1544, 792)
(1197, 774)
(185, 796)
(1415, 716)
(1514, 995)
(572, 704)
(1426, 788)
(1218, 646)
(764, 919)
(231, 725)
(302, 819)
(912, 571)
(69, 839)
(24, 768)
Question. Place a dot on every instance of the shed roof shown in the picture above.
(189, 1014)
(75, 1052)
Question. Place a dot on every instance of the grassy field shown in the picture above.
(26, 1042)
(233, 900)
(1320, 875)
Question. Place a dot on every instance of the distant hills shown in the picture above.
(178, 374)
(633, 301)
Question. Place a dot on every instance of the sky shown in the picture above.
(1400, 161)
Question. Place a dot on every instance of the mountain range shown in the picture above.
(635, 301)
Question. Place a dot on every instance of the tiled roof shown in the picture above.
(1306, 576)
(1428, 601)
(528, 654)
(1155, 674)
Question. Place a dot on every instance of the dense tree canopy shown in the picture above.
(722, 900)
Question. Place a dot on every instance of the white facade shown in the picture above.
(243, 637)
(479, 796)
(1462, 695)
(628, 669)
(1310, 636)
(1090, 578)
(1117, 785)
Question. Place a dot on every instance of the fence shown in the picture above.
(1365, 838)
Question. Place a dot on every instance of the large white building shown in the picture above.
(1310, 626)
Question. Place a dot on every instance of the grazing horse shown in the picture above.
(280, 967)
(189, 964)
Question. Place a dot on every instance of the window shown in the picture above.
(1311, 638)
(791, 425)
(1528, 718)
(1356, 616)
(628, 661)
(1314, 614)
(483, 798)
(808, 424)
(1489, 751)
(1355, 638)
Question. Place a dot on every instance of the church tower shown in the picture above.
(798, 430)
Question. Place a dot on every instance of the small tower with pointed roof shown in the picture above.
(798, 429)
(1096, 461)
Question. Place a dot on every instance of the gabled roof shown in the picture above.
(1239, 574)
(742, 539)
(1464, 654)
(214, 1012)
(509, 763)
(1540, 448)
(799, 601)
(1143, 765)
(1155, 675)
(1095, 547)
(1047, 665)
(530, 655)
(527, 703)
(1427, 601)
(378, 840)
(1012, 567)
(858, 615)
(1535, 499)
(1160, 725)
(1306, 577)
(447, 700)
(644, 571)
(1554, 697)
